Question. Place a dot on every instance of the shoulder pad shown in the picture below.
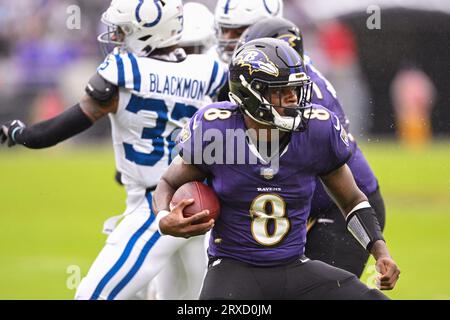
(215, 113)
(122, 70)
(100, 90)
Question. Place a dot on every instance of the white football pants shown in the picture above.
(135, 253)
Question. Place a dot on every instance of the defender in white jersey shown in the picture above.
(232, 18)
(199, 33)
(197, 37)
(149, 88)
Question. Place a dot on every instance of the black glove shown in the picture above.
(10, 130)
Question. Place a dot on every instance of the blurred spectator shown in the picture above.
(42, 59)
(47, 105)
(413, 94)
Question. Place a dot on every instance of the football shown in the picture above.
(204, 198)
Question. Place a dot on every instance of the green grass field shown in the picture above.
(53, 204)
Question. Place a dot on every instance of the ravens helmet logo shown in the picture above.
(256, 61)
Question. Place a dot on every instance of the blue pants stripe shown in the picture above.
(125, 254)
(135, 267)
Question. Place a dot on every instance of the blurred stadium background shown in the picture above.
(393, 82)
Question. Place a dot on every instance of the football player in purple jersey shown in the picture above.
(328, 239)
(257, 244)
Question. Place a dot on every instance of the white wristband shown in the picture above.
(159, 216)
(361, 205)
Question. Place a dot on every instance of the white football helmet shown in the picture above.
(199, 30)
(141, 26)
(234, 14)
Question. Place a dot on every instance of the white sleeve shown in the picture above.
(121, 70)
(219, 76)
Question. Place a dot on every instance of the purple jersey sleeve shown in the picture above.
(324, 94)
(200, 132)
(330, 140)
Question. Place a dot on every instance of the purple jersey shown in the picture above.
(263, 209)
(325, 95)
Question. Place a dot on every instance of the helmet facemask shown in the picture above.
(113, 38)
(263, 102)
(120, 37)
(226, 46)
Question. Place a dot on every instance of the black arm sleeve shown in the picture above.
(364, 226)
(48, 133)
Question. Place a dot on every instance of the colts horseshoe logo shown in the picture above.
(158, 18)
